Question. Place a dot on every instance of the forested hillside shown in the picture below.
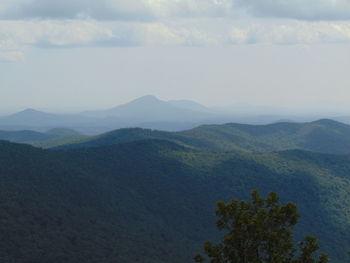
(325, 136)
(25, 136)
(50, 138)
(154, 200)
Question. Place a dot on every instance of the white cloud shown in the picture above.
(16, 36)
(135, 10)
(293, 33)
(299, 9)
(11, 56)
(151, 10)
(164, 35)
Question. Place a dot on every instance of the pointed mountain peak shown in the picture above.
(147, 98)
(29, 110)
(30, 113)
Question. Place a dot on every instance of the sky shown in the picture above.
(73, 55)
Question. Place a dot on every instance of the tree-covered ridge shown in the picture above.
(50, 138)
(25, 136)
(325, 136)
(153, 200)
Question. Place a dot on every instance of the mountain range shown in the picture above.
(154, 200)
(145, 195)
(144, 112)
(324, 135)
(28, 136)
(147, 111)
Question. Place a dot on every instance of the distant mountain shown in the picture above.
(31, 119)
(62, 132)
(344, 119)
(325, 136)
(151, 109)
(25, 136)
(31, 115)
(34, 137)
(153, 201)
(145, 112)
(190, 105)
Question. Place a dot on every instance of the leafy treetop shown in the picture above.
(260, 232)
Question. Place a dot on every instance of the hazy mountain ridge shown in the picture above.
(324, 135)
(144, 112)
(150, 108)
(28, 136)
(143, 195)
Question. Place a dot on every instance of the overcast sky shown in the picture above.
(86, 54)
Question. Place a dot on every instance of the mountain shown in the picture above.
(324, 135)
(144, 112)
(190, 105)
(24, 136)
(32, 115)
(147, 112)
(52, 137)
(154, 200)
(37, 120)
(62, 132)
(150, 109)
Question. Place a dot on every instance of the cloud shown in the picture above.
(314, 10)
(11, 56)
(155, 10)
(128, 10)
(224, 33)
(14, 34)
(293, 33)
(158, 34)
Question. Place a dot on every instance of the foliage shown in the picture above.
(325, 136)
(51, 138)
(25, 136)
(151, 201)
(259, 232)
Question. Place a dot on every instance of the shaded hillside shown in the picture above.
(152, 200)
(63, 132)
(24, 136)
(58, 141)
(325, 136)
(58, 135)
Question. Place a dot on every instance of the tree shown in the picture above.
(260, 232)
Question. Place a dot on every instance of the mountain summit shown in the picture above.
(151, 109)
(31, 114)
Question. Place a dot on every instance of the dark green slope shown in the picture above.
(153, 200)
(123, 136)
(325, 136)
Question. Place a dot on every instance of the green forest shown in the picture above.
(137, 195)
